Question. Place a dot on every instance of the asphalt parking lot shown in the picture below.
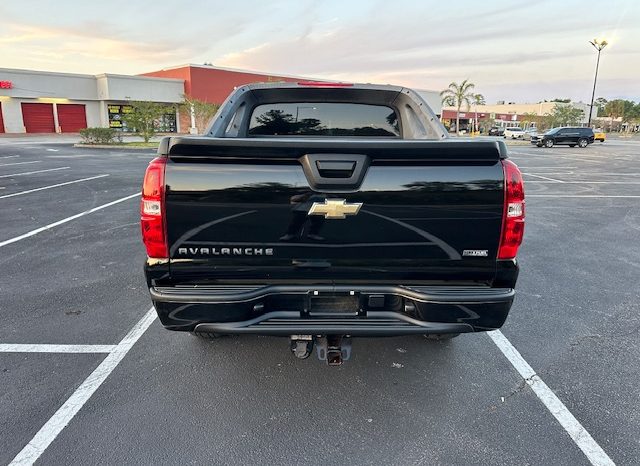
(88, 375)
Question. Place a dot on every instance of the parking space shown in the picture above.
(161, 397)
(33, 387)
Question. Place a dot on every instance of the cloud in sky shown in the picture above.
(512, 50)
(82, 46)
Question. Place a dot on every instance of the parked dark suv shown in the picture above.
(570, 136)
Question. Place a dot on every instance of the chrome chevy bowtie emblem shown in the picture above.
(334, 208)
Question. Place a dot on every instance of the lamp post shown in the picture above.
(598, 45)
(298, 111)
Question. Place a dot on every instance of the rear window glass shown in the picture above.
(323, 119)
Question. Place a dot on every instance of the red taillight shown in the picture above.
(152, 218)
(513, 216)
(323, 84)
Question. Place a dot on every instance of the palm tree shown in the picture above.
(458, 94)
(478, 99)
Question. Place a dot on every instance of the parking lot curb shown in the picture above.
(112, 146)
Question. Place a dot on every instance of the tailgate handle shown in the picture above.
(335, 172)
(328, 169)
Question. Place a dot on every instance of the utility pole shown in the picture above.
(598, 45)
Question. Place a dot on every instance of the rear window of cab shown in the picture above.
(323, 119)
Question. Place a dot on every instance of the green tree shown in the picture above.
(565, 115)
(631, 114)
(542, 122)
(448, 101)
(614, 109)
(599, 105)
(144, 118)
(635, 114)
(459, 95)
(203, 111)
(619, 108)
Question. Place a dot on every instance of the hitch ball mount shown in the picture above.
(334, 349)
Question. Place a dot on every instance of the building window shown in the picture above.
(167, 124)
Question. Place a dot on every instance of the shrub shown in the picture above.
(143, 120)
(100, 136)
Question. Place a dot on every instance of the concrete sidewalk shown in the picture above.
(68, 138)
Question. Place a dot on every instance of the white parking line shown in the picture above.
(552, 168)
(61, 418)
(573, 173)
(28, 348)
(583, 173)
(565, 157)
(544, 177)
(34, 172)
(18, 163)
(583, 195)
(581, 437)
(52, 186)
(587, 182)
(65, 220)
(9, 156)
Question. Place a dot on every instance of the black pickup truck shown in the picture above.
(321, 211)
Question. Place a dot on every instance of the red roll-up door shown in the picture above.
(38, 118)
(71, 117)
(1, 120)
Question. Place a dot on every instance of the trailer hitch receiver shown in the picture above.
(335, 349)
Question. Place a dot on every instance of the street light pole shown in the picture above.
(598, 45)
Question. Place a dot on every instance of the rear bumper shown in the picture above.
(290, 309)
(376, 323)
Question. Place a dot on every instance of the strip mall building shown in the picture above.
(507, 115)
(48, 102)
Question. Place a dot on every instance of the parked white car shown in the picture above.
(514, 132)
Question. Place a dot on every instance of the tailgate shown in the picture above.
(267, 210)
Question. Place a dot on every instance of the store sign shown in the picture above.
(6, 85)
(115, 115)
(165, 124)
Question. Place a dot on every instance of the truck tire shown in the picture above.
(207, 335)
(440, 336)
(582, 143)
(548, 143)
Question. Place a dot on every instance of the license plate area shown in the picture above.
(334, 304)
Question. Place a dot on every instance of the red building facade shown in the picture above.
(212, 84)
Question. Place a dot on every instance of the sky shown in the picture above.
(520, 51)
